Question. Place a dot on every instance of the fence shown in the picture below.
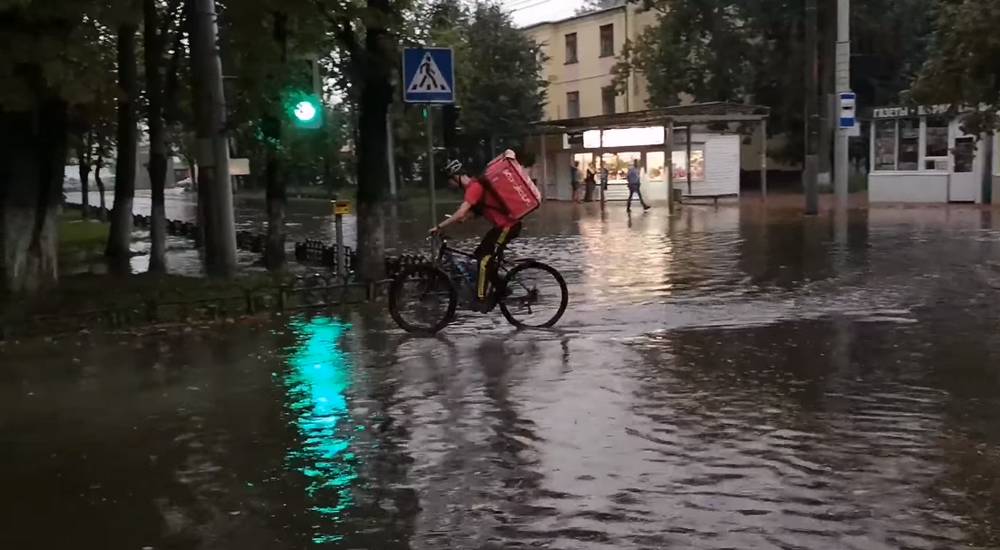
(308, 252)
(317, 290)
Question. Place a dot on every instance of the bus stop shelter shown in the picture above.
(653, 134)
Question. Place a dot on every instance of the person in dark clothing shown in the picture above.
(574, 180)
(634, 178)
(590, 182)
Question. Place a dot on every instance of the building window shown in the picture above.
(607, 40)
(608, 99)
(679, 161)
(573, 105)
(571, 48)
(936, 148)
(908, 155)
(885, 145)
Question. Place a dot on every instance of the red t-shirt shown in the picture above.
(492, 210)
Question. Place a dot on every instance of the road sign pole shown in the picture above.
(430, 162)
(841, 151)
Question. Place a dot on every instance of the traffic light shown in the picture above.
(302, 98)
(449, 120)
(304, 110)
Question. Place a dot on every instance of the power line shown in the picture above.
(529, 6)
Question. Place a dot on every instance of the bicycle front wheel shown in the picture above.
(422, 300)
(536, 296)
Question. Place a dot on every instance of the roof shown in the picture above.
(574, 17)
(695, 113)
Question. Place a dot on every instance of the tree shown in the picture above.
(729, 50)
(156, 30)
(367, 38)
(120, 235)
(500, 84)
(499, 76)
(962, 69)
(596, 5)
(722, 50)
(47, 67)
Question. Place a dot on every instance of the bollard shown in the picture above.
(340, 209)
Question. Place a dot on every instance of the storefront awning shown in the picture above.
(696, 113)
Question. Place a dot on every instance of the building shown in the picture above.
(588, 124)
(922, 155)
(581, 51)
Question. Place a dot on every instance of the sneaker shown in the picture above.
(645, 208)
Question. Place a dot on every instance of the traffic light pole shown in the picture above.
(430, 162)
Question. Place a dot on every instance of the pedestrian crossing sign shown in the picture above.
(428, 75)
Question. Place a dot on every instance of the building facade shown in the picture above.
(581, 52)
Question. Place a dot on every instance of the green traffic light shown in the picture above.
(305, 111)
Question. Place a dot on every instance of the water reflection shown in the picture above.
(316, 384)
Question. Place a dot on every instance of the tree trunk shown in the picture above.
(32, 156)
(215, 190)
(157, 140)
(374, 101)
(276, 193)
(277, 202)
(127, 136)
(103, 208)
(84, 161)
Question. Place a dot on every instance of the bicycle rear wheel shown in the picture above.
(422, 299)
(536, 296)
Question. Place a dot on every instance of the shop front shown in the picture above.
(708, 166)
(922, 155)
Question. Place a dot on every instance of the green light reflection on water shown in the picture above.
(317, 382)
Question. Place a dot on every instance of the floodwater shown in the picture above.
(727, 378)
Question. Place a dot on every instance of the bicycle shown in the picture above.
(531, 294)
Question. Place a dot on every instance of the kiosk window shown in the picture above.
(885, 145)
(937, 137)
(909, 144)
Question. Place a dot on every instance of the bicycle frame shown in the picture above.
(444, 260)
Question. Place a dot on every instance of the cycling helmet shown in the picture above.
(453, 168)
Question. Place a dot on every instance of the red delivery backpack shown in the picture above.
(511, 186)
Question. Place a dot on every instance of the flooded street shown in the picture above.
(732, 377)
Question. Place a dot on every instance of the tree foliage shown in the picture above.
(752, 50)
(498, 72)
(963, 68)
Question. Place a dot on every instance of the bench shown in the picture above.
(714, 198)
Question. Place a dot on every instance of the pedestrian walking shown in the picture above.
(634, 178)
(574, 180)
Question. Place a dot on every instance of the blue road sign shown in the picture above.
(848, 108)
(428, 75)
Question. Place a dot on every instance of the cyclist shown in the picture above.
(481, 201)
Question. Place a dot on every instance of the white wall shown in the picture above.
(722, 165)
(908, 187)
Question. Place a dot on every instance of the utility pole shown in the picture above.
(213, 143)
(812, 121)
(841, 159)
